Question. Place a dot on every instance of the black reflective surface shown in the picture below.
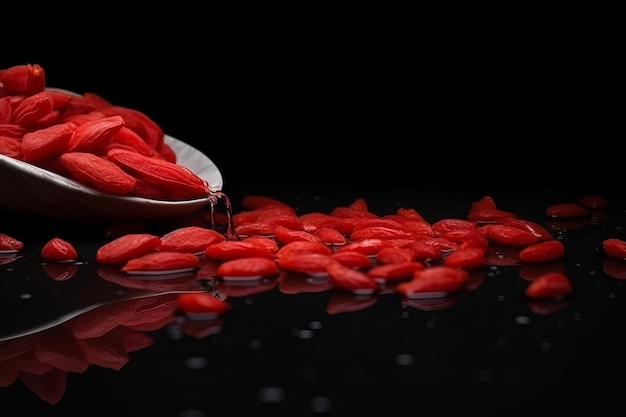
(81, 339)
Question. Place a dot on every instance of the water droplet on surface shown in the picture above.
(315, 325)
(305, 334)
(405, 359)
(195, 362)
(271, 395)
(320, 404)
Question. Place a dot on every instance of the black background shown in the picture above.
(301, 101)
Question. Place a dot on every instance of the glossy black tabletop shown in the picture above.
(90, 341)
(319, 125)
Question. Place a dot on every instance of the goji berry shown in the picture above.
(23, 79)
(303, 246)
(94, 134)
(9, 244)
(567, 210)
(535, 228)
(380, 232)
(329, 236)
(394, 254)
(545, 251)
(305, 263)
(369, 247)
(98, 173)
(246, 268)
(614, 247)
(509, 235)
(179, 181)
(489, 215)
(485, 203)
(11, 147)
(255, 228)
(449, 224)
(395, 271)
(435, 281)
(122, 249)
(192, 239)
(32, 109)
(202, 305)
(551, 285)
(466, 258)
(233, 249)
(47, 143)
(161, 262)
(352, 259)
(284, 235)
(350, 279)
(59, 250)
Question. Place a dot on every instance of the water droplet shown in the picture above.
(320, 404)
(271, 395)
(315, 325)
(305, 334)
(195, 362)
(405, 359)
(25, 296)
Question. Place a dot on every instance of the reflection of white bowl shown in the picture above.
(29, 189)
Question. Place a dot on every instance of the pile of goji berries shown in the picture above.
(110, 148)
(356, 250)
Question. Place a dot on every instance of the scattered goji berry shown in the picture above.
(329, 236)
(202, 305)
(433, 282)
(120, 250)
(59, 250)
(567, 210)
(233, 249)
(246, 268)
(352, 259)
(161, 262)
(549, 250)
(192, 239)
(395, 271)
(551, 285)
(614, 247)
(509, 235)
(284, 235)
(467, 258)
(304, 263)
(9, 244)
(350, 279)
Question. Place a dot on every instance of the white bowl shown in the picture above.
(28, 189)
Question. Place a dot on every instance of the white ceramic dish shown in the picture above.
(28, 189)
